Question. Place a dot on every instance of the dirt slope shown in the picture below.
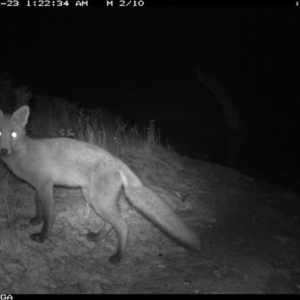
(250, 232)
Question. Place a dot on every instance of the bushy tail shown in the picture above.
(161, 215)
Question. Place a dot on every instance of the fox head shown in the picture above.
(12, 130)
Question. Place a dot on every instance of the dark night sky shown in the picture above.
(143, 62)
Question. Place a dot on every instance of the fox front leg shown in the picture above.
(37, 219)
(44, 212)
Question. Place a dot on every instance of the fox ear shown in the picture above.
(20, 116)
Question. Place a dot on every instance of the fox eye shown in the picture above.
(14, 134)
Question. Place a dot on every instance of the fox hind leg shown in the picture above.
(103, 198)
(112, 216)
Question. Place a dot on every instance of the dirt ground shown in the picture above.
(250, 233)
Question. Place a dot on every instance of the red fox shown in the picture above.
(103, 179)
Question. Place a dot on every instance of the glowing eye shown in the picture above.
(14, 134)
(0, 133)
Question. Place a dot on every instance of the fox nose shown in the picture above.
(4, 152)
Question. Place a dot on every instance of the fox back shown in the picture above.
(63, 161)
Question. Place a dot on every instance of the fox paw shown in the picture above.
(115, 259)
(38, 237)
(92, 237)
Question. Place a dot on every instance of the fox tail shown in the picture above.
(160, 214)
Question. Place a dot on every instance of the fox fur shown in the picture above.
(103, 179)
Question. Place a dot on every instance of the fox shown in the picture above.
(103, 179)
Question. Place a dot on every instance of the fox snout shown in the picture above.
(8, 141)
(4, 152)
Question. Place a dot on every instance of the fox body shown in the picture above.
(103, 179)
